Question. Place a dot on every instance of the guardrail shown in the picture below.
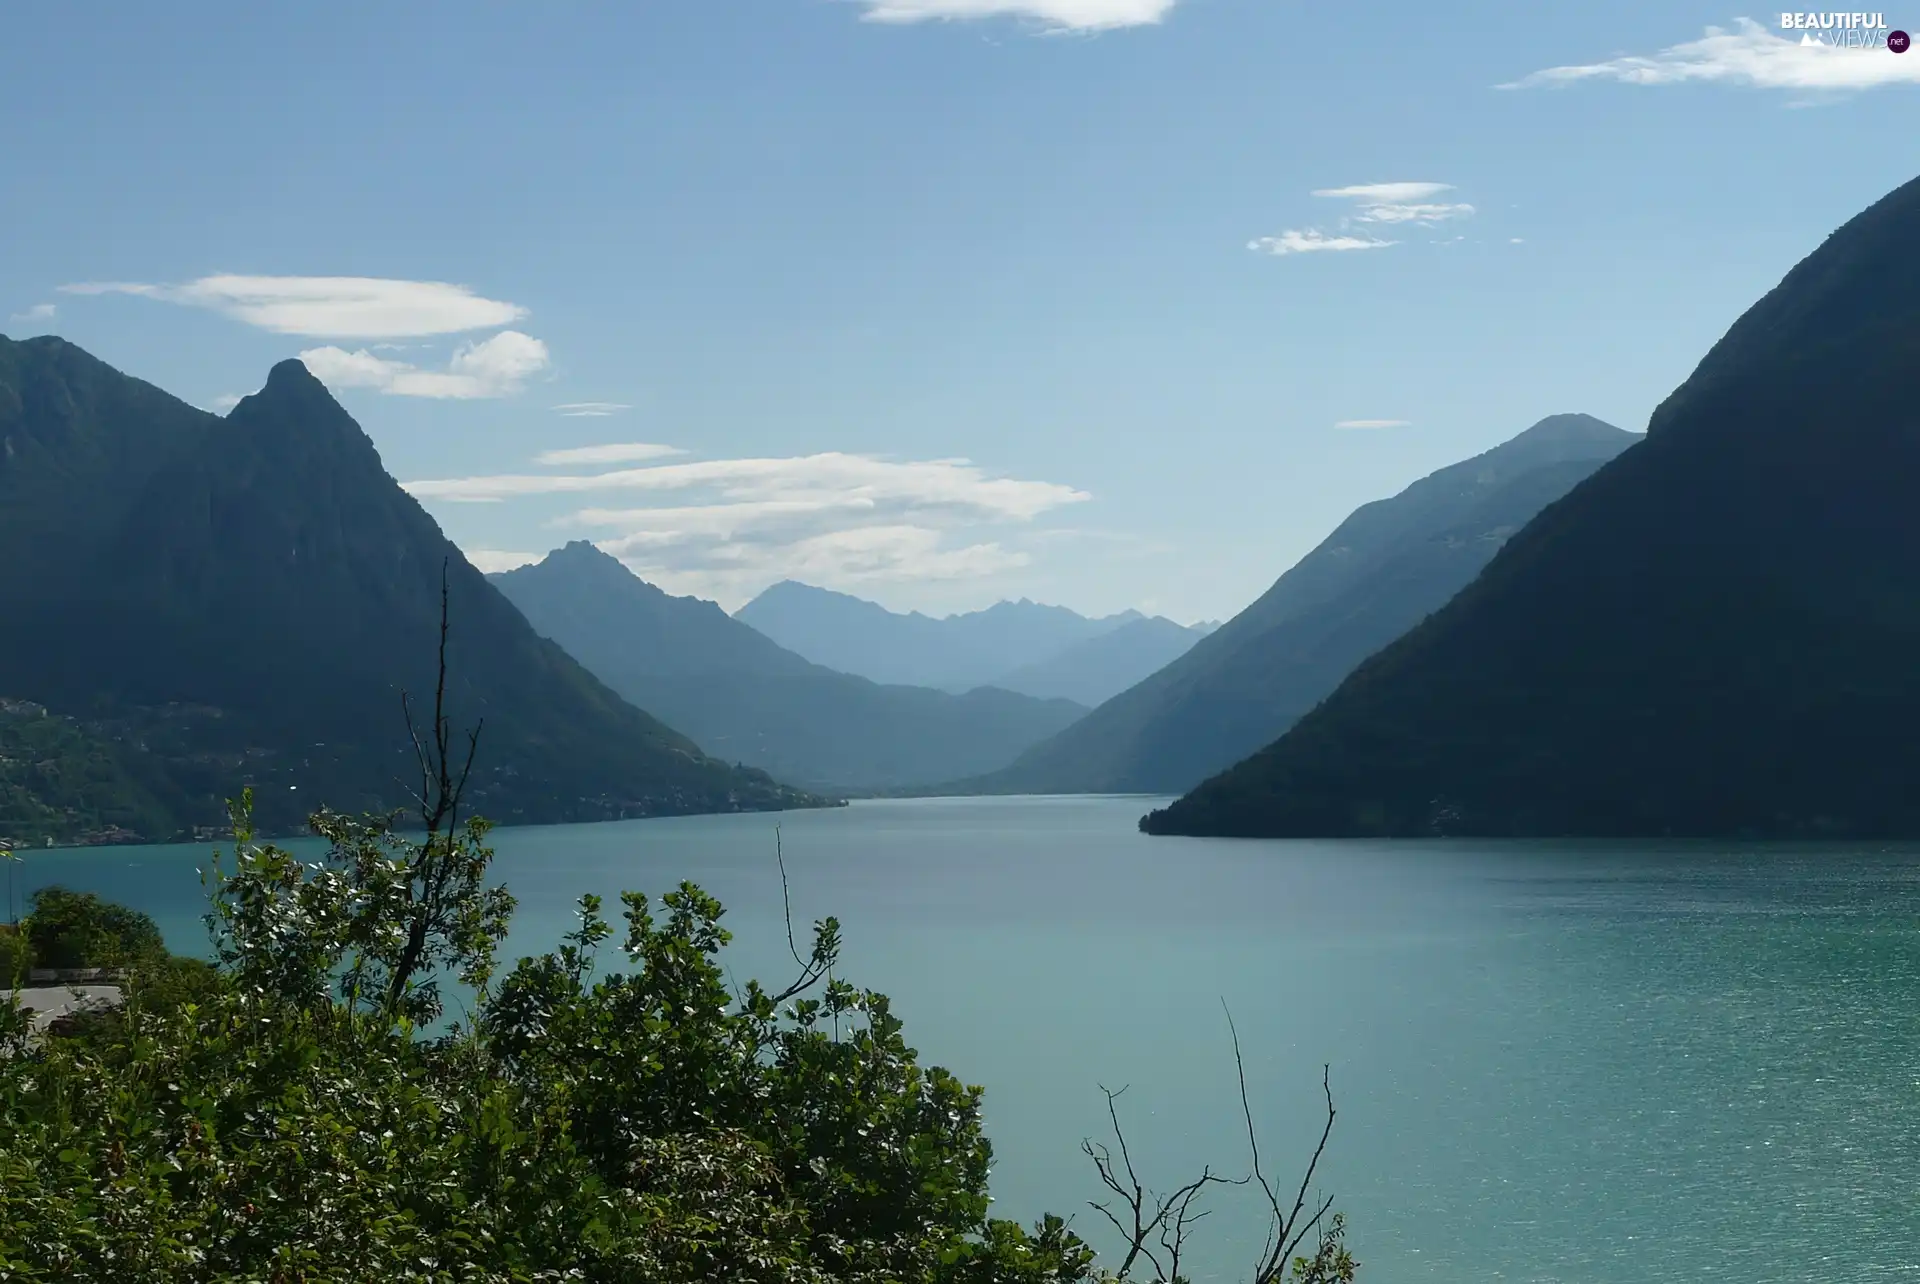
(76, 975)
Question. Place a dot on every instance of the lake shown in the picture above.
(1573, 1062)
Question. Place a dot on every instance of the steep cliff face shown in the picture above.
(1383, 570)
(264, 568)
(1714, 635)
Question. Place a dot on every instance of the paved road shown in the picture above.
(51, 1002)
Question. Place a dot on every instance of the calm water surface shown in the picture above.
(1576, 1063)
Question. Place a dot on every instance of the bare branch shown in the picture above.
(1287, 1229)
(786, 902)
(1168, 1220)
(811, 970)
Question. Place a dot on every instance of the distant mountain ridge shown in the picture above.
(1713, 636)
(1378, 574)
(256, 592)
(741, 696)
(619, 620)
(1004, 645)
(1095, 669)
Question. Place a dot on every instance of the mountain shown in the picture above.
(1714, 636)
(248, 597)
(613, 621)
(958, 653)
(1106, 664)
(744, 698)
(60, 783)
(1381, 571)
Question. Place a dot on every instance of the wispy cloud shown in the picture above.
(951, 483)
(1399, 202)
(334, 307)
(732, 570)
(226, 401)
(1056, 15)
(38, 312)
(493, 560)
(1374, 423)
(1313, 241)
(592, 409)
(726, 528)
(494, 367)
(626, 452)
(1751, 56)
(1408, 204)
(1381, 193)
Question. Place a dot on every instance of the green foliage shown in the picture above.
(69, 929)
(284, 1116)
(15, 957)
(63, 781)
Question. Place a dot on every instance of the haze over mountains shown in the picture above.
(1708, 632)
(1715, 635)
(1011, 645)
(1380, 572)
(742, 697)
(243, 600)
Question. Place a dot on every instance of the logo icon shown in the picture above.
(1899, 41)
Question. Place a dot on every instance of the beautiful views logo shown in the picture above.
(1846, 31)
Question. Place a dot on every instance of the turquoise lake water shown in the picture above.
(1557, 1063)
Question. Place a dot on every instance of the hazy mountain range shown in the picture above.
(742, 697)
(1017, 646)
(1710, 631)
(243, 600)
(1380, 572)
(1715, 635)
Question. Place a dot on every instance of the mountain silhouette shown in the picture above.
(743, 697)
(1713, 636)
(245, 601)
(1101, 667)
(977, 648)
(1383, 570)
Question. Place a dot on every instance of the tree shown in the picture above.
(67, 929)
(298, 1119)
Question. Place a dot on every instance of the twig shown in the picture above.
(1285, 1231)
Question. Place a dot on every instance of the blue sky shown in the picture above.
(934, 301)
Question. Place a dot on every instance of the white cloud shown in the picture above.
(591, 409)
(336, 307)
(727, 528)
(732, 571)
(493, 560)
(628, 452)
(1056, 15)
(1750, 56)
(1311, 241)
(495, 367)
(946, 483)
(1374, 423)
(226, 401)
(1416, 213)
(1385, 193)
(1399, 202)
(38, 312)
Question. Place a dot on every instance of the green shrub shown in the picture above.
(281, 1116)
(67, 929)
(15, 957)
